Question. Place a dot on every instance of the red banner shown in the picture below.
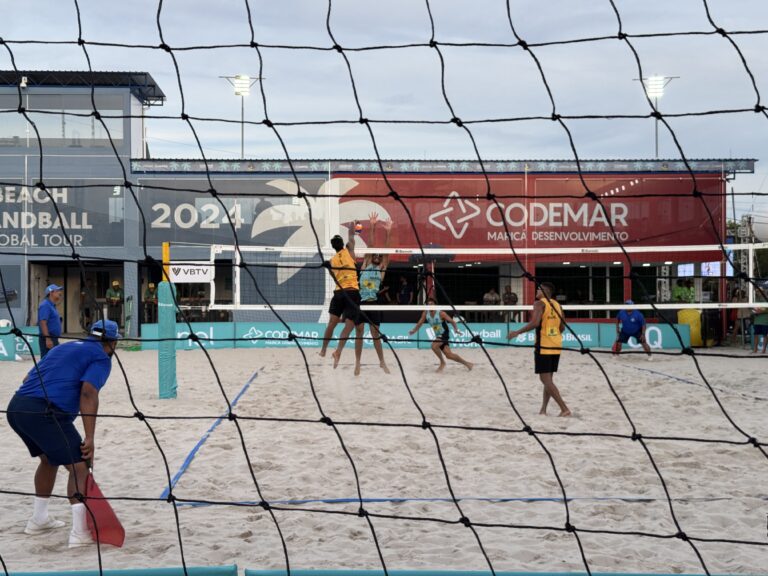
(543, 210)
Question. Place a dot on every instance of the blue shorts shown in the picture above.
(49, 433)
(624, 337)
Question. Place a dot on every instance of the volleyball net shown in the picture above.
(294, 278)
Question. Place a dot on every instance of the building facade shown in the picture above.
(118, 206)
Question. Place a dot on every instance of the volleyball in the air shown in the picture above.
(358, 228)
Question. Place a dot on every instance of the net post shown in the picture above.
(166, 259)
(166, 331)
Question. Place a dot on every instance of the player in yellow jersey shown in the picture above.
(345, 304)
(548, 322)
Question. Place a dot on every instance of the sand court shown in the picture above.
(501, 474)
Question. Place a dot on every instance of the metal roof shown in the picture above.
(218, 165)
(141, 84)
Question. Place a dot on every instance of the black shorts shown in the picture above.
(545, 363)
(443, 340)
(345, 304)
(52, 434)
(372, 317)
(624, 337)
(760, 329)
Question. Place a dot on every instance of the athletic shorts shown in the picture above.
(624, 337)
(52, 434)
(372, 317)
(443, 340)
(760, 329)
(545, 363)
(345, 304)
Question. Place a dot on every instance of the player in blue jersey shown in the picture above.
(42, 412)
(630, 323)
(438, 321)
(371, 276)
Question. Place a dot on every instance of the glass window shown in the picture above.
(64, 120)
(12, 124)
(116, 209)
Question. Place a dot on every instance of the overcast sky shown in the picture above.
(587, 78)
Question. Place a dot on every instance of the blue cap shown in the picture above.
(629, 302)
(53, 288)
(106, 329)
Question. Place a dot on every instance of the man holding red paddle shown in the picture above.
(42, 412)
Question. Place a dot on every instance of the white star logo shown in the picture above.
(253, 334)
(442, 218)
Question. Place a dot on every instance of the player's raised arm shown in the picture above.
(353, 231)
(373, 218)
(387, 225)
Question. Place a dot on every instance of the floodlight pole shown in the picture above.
(656, 105)
(242, 129)
(242, 84)
(656, 91)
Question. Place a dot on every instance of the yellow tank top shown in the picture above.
(549, 339)
(343, 269)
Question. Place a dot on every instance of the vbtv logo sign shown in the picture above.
(190, 272)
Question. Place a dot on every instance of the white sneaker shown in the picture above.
(79, 539)
(650, 358)
(50, 523)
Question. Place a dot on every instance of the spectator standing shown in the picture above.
(690, 297)
(404, 292)
(679, 292)
(509, 298)
(115, 302)
(491, 298)
(150, 303)
(49, 320)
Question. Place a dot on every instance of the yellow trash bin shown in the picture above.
(693, 319)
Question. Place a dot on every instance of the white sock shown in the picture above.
(78, 518)
(40, 513)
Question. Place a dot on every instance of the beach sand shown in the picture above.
(718, 491)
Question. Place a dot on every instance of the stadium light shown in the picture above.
(242, 84)
(654, 88)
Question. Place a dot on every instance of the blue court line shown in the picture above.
(202, 440)
(460, 499)
(700, 384)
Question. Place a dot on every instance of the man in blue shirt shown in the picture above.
(48, 319)
(42, 412)
(630, 323)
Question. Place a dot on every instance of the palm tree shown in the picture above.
(327, 213)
